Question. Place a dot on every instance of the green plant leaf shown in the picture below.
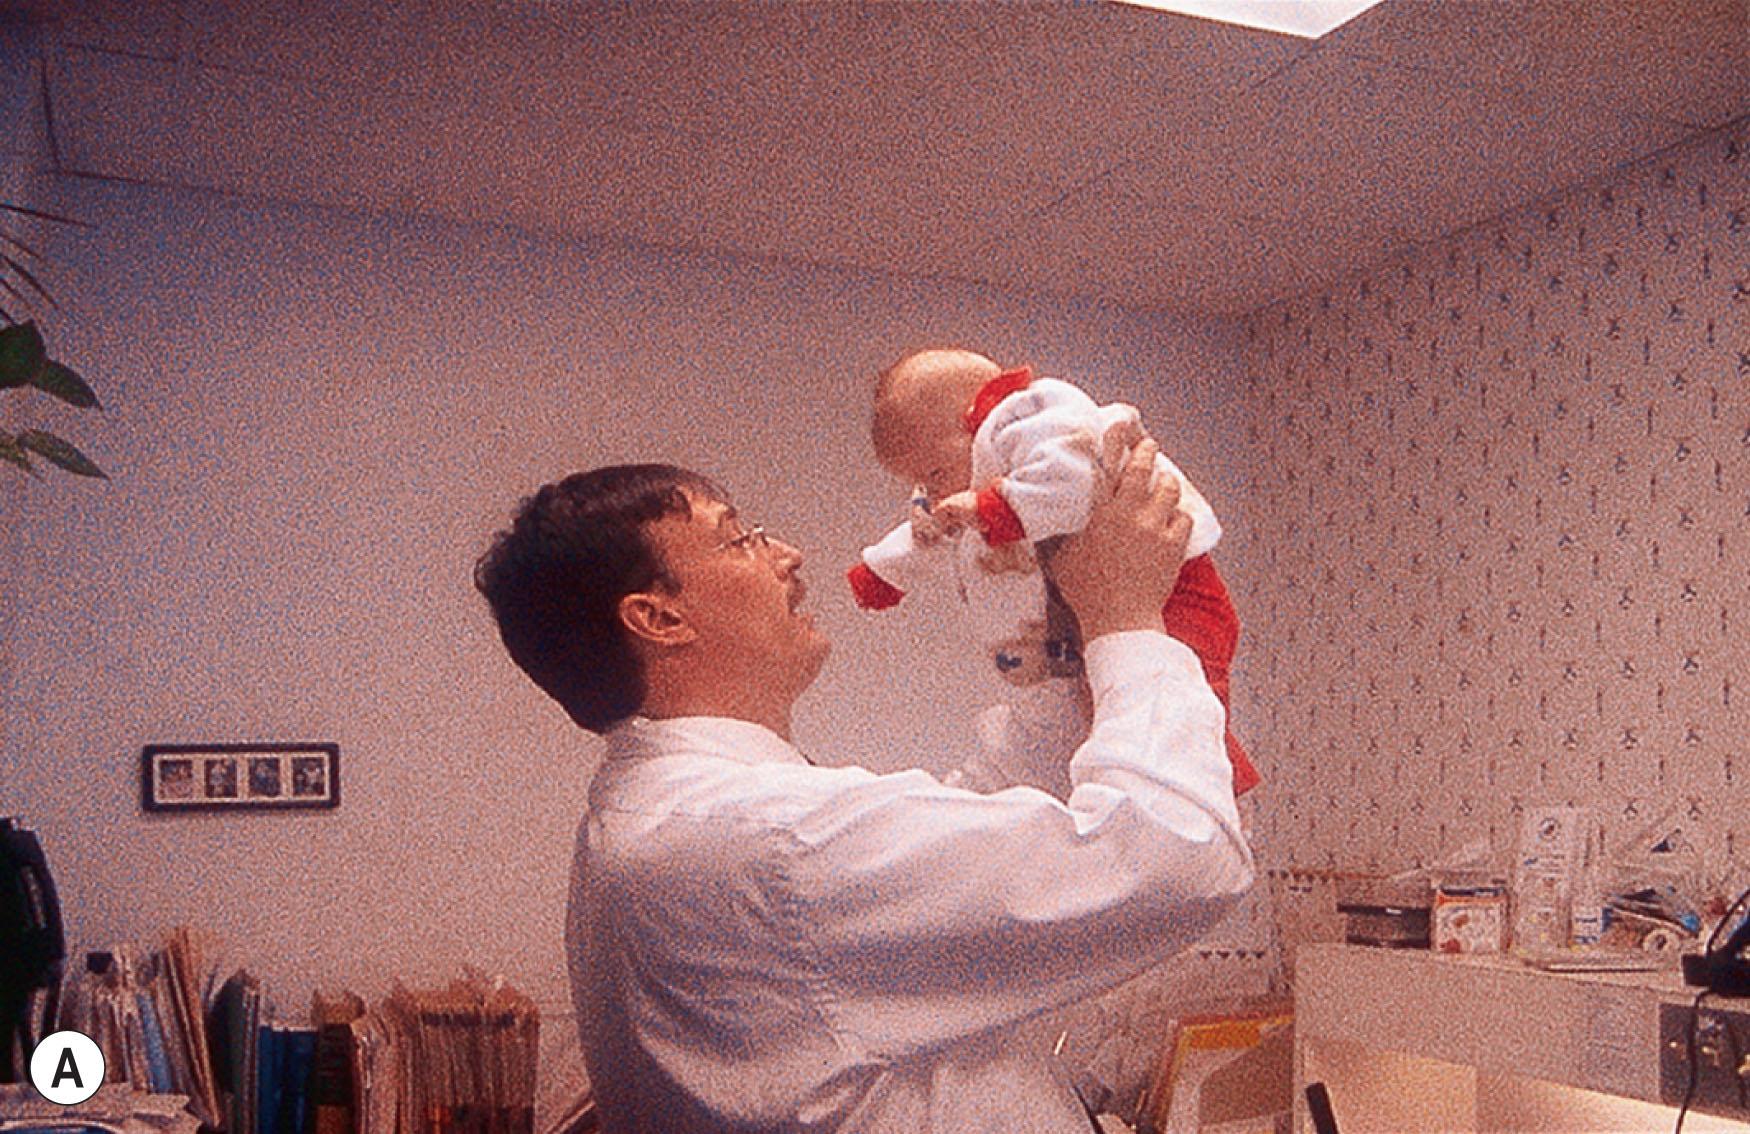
(9, 238)
(60, 381)
(11, 450)
(6, 285)
(24, 273)
(60, 452)
(24, 211)
(22, 354)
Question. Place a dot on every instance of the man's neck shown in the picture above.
(663, 703)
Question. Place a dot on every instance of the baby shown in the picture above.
(1002, 462)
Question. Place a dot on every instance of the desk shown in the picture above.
(1409, 1040)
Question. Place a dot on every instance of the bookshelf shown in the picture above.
(460, 1059)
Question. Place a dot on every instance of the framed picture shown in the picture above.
(228, 777)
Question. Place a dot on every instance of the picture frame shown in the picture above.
(274, 776)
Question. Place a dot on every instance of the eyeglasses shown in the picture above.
(753, 539)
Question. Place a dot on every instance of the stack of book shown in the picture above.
(145, 1012)
(456, 1060)
(459, 1060)
(282, 1078)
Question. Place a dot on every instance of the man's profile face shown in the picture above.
(742, 594)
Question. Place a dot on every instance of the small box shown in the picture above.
(1555, 880)
(1470, 919)
(1390, 913)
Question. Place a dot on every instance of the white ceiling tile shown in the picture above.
(1087, 149)
(405, 47)
(1387, 146)
(1685, 60)
(1114, 239)
(1332, 165)
(113, 113)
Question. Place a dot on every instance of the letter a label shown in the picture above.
(67, 1068)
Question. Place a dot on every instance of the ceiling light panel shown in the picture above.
(1308, 19)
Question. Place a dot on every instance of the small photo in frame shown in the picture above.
(234, 777)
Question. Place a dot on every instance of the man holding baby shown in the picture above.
(760, 943)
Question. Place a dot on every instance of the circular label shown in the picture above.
(67, 1068)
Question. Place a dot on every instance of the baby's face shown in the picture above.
(937, 456)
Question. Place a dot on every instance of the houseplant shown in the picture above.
(25, 364)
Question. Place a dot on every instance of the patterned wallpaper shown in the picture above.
(1498, 545)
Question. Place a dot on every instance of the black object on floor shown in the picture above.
(1318, 1106)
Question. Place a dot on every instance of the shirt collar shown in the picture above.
(993, 392)
(720, 737)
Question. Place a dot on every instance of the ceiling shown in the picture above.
(1071, 148)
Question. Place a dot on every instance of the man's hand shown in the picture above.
(1120, 438)
(1118, 570)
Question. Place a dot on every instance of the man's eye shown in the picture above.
(752, 539)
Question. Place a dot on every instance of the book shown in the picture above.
(233, 1022)
(185, 1022)
(152, 1034)
(267, 1080)
(331, 1081)
(297, 1057)
(284, 1055)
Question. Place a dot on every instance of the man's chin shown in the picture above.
(819, 649)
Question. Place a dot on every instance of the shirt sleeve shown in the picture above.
(1027, 739)
(931, 913)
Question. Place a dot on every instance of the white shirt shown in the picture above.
(760, 944)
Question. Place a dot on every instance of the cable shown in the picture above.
(1695, 1019)
(1694, 1063)
(1737, 1059)
(1714, 937)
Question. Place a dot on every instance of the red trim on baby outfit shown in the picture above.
(993, 392)
(997, 521)
(871, 591)
(1200, 613)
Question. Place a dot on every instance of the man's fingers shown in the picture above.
(1138, 470)
(1115, 446)
(1116, 571)
(1179, 524)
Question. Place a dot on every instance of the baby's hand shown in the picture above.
(956, 512)
(925, 530)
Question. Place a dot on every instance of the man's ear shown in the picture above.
(653, 617)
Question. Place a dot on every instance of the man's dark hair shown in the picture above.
(556, 576)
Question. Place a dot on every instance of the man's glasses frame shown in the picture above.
(754, 539)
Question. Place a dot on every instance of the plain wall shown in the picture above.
(314, 421)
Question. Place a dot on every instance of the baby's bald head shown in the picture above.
(919, 426)
(924, 373)
(919, 403)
